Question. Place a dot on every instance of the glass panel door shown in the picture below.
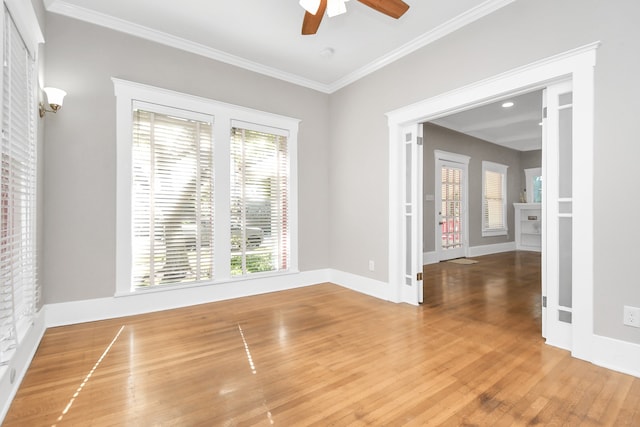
(557, 282)
(451, 205)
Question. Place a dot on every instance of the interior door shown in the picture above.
(413, 290)
(451, 205)
(557, 207)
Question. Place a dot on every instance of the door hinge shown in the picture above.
(420, 140)
(544, 301)
(419, 278)
(544, 113)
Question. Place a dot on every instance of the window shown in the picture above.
(205, 191)
(494, 199)
(533, 185)
(172, 216)
(18, 176)
(259, 193)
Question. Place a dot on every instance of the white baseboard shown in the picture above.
(492, 249)
(19, 363)
(617, 355)
(432, 258)
(72, 312)
(363, 285)
(429, 258)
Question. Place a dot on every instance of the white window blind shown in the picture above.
(19, 290)
(494, 188)
(172, 199)
(259, 200)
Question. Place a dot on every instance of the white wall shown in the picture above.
(516, 35)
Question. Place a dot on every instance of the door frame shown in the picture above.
(578, 65)
(461, 161)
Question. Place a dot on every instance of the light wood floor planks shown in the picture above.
(324, 355)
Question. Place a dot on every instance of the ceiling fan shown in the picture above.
(315, 10)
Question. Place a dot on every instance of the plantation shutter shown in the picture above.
(172, 197)
(259, 199)
(18, 287)
(494, 200)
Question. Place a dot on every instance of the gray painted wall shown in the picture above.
(439, 138)
(516, 35)
(79, 153)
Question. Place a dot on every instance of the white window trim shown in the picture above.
(27, 22)
(501, 169)
(126, 93)
(28, 27)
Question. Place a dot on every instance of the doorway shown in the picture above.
(451, 205)
(576, 65)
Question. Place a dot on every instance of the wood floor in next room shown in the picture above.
(324, 355)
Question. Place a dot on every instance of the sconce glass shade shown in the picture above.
(54, 96)
(310, 6)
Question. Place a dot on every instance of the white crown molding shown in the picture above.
(61, 7)
(439, 32)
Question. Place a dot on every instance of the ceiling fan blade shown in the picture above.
(311, 22)
(392, 8)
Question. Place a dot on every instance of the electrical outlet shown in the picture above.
(632, 316)
(372, 265)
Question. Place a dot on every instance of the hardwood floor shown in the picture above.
(323, 355)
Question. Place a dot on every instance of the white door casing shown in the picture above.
(578, 66)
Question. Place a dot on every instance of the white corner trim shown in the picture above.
(72, 312)
(363, 285)
(419, 42)
(617, 355)
(20, 363)
(62, 7)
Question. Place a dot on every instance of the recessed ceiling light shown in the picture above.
(508, 104)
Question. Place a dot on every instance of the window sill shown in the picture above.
(169, 288)
(494, 233)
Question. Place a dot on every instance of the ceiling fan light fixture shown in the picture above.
(336, 7)
(310, 6)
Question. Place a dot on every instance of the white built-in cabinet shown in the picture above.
(528, 218)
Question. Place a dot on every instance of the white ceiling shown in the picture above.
(517, 127)
(264, 36)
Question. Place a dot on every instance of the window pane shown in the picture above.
(259, 202)
(494, 197)
(172, 200)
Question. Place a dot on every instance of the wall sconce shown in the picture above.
(54, 97)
